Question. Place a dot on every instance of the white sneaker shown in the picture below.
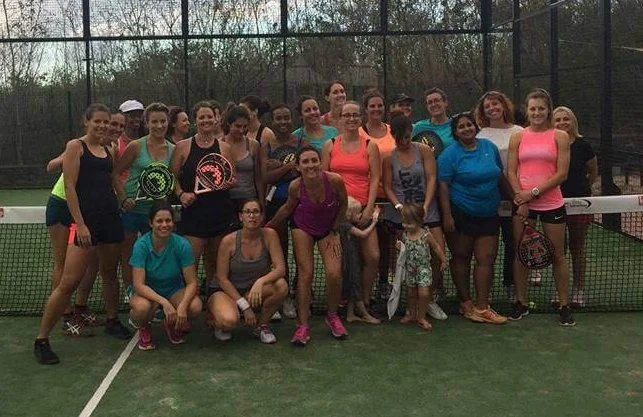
(290, 312)
(436, 312)
(535, 278)
(222, 335)
(276, 316)
(265, 334)
(133, 323)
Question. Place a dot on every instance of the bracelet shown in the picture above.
(398, 206)
(243, 304)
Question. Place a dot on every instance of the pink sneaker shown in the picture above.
(145, 339)
(336, 327)
(174, 336)
(301, 336)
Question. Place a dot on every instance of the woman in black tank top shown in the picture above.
(257, 108)
(208, 216)
(87, 168)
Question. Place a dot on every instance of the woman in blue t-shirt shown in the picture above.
(469, 173)
(164, 273)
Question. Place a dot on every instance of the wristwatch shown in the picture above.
(535, 192)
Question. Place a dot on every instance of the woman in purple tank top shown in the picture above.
(318, 200)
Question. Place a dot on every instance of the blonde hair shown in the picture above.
(413, 214)
(574, 130)
(353, 208)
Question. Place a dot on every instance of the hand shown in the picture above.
(449, 224)
(523, 197)
(398, 244)
(366, 216)
(83, 237)
(187, 199)
(333, 244)
(250, 318)
(443, 265)
(425, 207)
(255, 296)
(272, 164)
(169, 311)
(522, 212)
(376, 214)
(181, 317)
(128, 204)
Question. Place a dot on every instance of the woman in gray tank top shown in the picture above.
(246, 281)
(409, 176)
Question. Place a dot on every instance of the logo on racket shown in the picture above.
(431, 139)
(155, 182)
(288, 158)
(535, 250)
(213, 172)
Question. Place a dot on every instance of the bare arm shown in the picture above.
(287, 208)
(144, 290)
(259, 172)
(226, 152)
(276, 256)
(430, 174)
(325, 155)
(189, 275)
(445, 205)
(339, 188)
(374, 178)
(56, 163)
(226, 250)
(512, 162)
(592, 170)
(123, 164)
(436, 248)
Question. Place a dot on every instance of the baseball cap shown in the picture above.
(131, 105)
(398, 98)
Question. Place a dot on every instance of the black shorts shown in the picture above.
(57, 212)
(474, 226)
(554, 216)
(273, 206)
(206, 224)
(316, 238)
(398, 226)
(213, 290)
(104, 228)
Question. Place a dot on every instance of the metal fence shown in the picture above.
(56, 56)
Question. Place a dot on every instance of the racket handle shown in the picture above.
(271, 193)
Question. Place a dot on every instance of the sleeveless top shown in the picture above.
(409, 186)
(96, 195)
(244, 272)
(121, 145)
(315, 218)
(537, 158)
(59, 188)
(215, 203)
(245, 167)
(262, 127)
(385, 145)
(142, 161)
(353, 167)
(281, 192)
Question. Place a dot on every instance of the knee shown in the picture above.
(225, 320)
(139, 305)
(195, 307)
(461, 256)
(305, 275)
(486, 259)
(281, 288)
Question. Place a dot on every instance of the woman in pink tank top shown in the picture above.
(537, 163)
(318, 200)
(357, 160)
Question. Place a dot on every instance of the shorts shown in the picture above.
(165, 293)
(554, 216)
(474, 226)
(104, 228)
(205, 224)
(316, 238)
(430, 225)
(213, 290)
(57, 212)
(135, 222)
(273, 206)
(580, 218)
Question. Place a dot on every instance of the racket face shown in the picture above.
(431, 139)
(535, 250)
(155, 182)
(213, 172)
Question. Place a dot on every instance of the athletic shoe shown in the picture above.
(535, 277)
(159, 316)
(222, 335)
(174, 336)
(301, 336)
(43, 352)
(466, 309)
(132, 323)
(554, 300)
(145, 339)
(519, 311)
(290, 312)
(337, 329)
(566, 318)
(440, 295)
(578, 298)
(436, 312)
(75, 327)
(91, 319)
(487, 315)
(265, 334)
(276, 316)
(115, 328)
(511, 294)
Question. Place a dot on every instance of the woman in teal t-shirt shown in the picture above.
(313, 131)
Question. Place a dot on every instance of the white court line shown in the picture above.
(109, 378)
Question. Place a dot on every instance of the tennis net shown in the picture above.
(613, 255)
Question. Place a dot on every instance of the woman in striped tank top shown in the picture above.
(537, 163)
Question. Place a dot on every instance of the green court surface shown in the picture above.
(31, 197)
(529, 368)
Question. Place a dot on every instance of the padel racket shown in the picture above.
(156, 182)
(213, 172)
(431, 139)
(535, 250)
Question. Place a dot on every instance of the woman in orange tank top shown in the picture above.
(537, 163)
(357, 160)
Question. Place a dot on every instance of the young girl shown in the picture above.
(418, 242)
(352, 262)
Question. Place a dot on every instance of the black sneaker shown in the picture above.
(115, 328)
(43, 352)
(566, 318)
(519, 311)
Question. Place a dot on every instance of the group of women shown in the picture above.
(303, 179)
